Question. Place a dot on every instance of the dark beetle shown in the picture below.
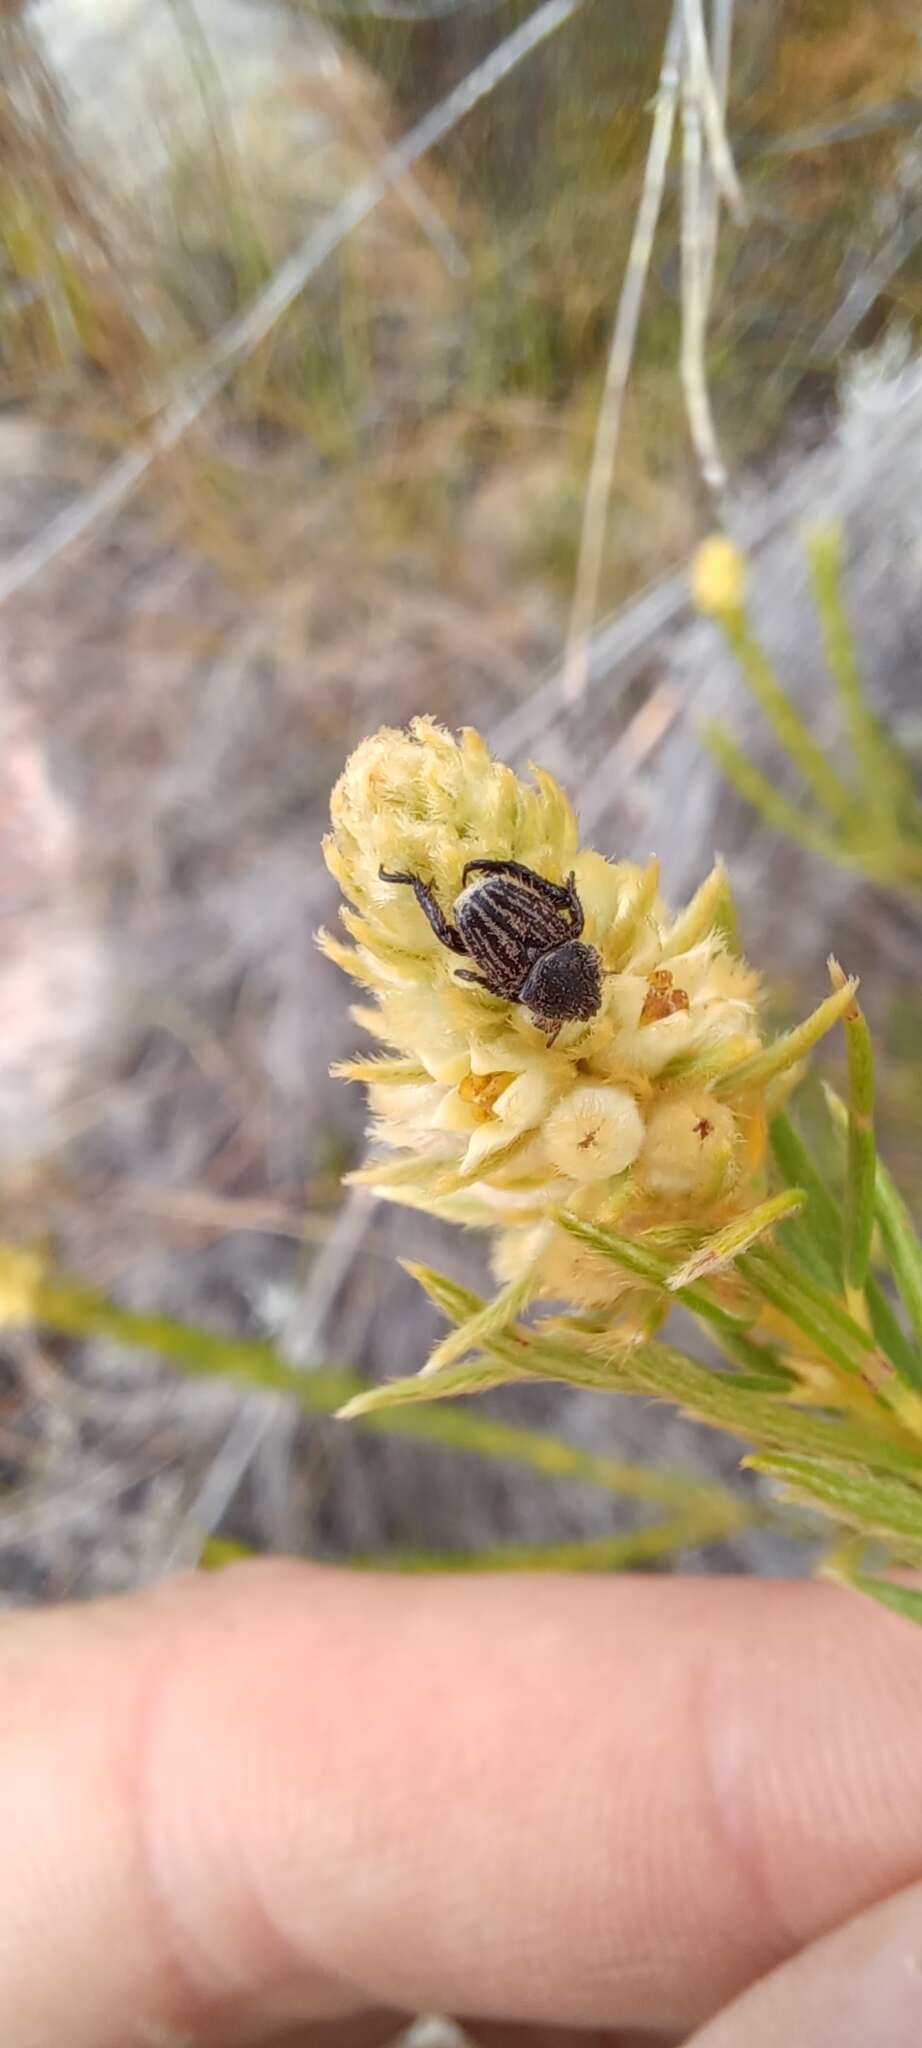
(524, 933)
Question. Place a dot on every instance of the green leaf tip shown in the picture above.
(736, 1237)
(905, 1601)
(791, 1047)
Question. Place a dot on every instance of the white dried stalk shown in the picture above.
(865, 289)
(721, 47)
(694, 254)
(699, 64)
(302, 1344)
(620, 359)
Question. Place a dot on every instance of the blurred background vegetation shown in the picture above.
(364, 507)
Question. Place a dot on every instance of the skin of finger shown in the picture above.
(860, 1985)
(283, 1792)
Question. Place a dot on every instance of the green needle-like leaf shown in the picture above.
(891, 1336)
(618, 1552)
(900, 1240)
(885, 775)
(736, 1237)
(758, 1359)
(859, 1175)
(765, 1419)
(631, 1257)
(828, 1327)
(815, 1234)
(904, 1600)
(902, 1246)
(787, 1050)
(492, 1319)
(756, 789)
(473, 1377)
(878, 1505)
(788, 726)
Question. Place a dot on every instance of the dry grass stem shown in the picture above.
(620, 359)
(696, 252)
(686, 68)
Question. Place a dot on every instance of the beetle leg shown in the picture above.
(576, 908)
(464, 974)
(426, 899)
(552, 891)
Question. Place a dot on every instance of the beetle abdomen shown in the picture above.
(565, 984)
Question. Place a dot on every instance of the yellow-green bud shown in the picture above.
(718, 576)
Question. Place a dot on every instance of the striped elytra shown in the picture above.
(506, 926)
(523, 932)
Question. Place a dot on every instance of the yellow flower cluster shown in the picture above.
(633, 1117)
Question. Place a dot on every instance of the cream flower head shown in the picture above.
(631, 1113)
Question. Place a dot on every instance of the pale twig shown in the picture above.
(199, 1209)
(21, 1524)
(823, 134)
(702, 80)
(686, 63)
(228, 1468)
(242, 335)
(701, 191)
(303, 1333)
(413, 196)
(302, 1343)
(207, 75)
(404, 10)
(633, 747)
(867, 288)
(621, 355)
(695, 259)
(721, 46)
(610, 651)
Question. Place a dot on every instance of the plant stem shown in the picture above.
(616, 1552)
(786, 723)
(901, 1243)
(599, 1553)
(884, 774)
(64, 1305)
